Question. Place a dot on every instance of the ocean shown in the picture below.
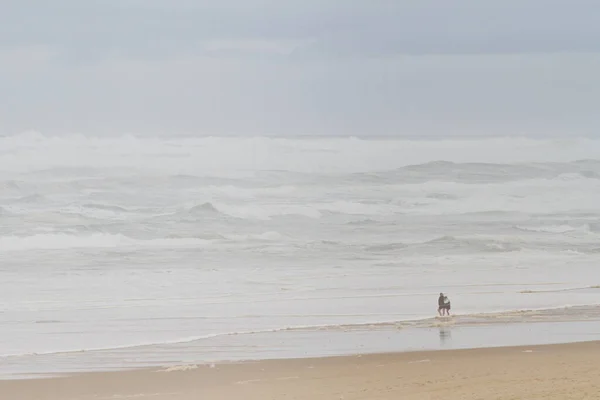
(121, 242)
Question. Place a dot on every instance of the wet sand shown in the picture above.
(561, 372)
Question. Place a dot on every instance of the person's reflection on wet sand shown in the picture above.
(445, 335)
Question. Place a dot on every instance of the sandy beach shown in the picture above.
(564, 371)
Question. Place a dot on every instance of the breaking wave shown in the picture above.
(63, 241)
(105, 207)
(563, 228)
(30, 199)
(474, 173)
(250, 211)
(449, 244)
(474, 243)
(56, 241)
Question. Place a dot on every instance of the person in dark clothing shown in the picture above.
(441, 304)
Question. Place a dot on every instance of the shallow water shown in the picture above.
(304, 343)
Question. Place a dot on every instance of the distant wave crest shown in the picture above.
(55, 241)
(449, 244)
(105, 207)
(65, 241)
(560, 229)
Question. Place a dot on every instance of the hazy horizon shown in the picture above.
(261, 67)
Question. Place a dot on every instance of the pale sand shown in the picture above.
(561, 372)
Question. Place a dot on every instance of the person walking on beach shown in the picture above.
(443, 305)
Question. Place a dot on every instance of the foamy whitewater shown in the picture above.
(114, 242)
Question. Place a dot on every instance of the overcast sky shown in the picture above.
(418, 67)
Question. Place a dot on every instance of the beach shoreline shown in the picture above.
(556, 371)
(446, 334)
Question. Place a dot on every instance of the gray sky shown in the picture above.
(301, 67)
